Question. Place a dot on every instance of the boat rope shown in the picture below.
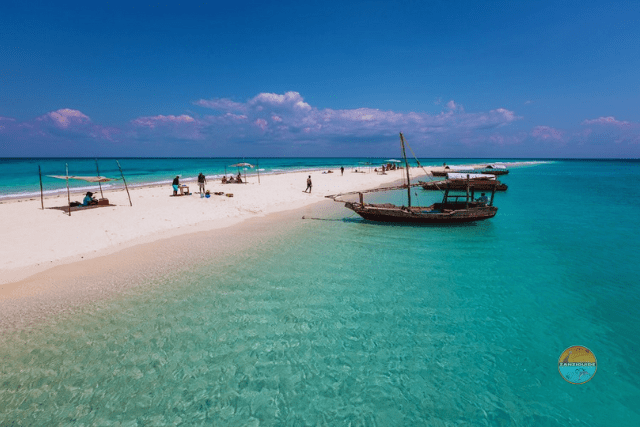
(427, 173)
(335, 197)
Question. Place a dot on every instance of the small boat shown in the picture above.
(452, 209)
(493, 169)
(458, 181)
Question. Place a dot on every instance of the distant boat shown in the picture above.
(452, 209)
(458, 181)
(493, 169)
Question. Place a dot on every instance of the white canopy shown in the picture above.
(454, 175)
(496, 166)
(457, 168)
(84, 178)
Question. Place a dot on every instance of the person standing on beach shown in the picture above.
(176, 185)
(309, 185)
(201, 182)
(341, 170)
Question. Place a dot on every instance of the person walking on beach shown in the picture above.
(201, 182)
(341, 170)
(309, 185)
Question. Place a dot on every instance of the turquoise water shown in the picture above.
(19, 176)
(342, 322)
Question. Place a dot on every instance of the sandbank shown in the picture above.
(35, 240)
(50, 261)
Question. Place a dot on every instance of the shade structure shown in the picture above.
(242, 165)
(393, 161)
(84, 178)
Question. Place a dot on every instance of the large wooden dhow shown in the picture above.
(452, 209)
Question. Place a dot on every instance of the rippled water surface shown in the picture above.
(344, 322)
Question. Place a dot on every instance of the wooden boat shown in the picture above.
(458, 181)
(493, 169)
(452, 209)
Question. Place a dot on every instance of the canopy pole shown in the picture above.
(258, 170)
(41, 196)
(99, 183)
(68, 193)
(125, 183)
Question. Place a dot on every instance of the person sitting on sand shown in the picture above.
(239, 178)
(224, 179)
(483, 200)
(89, 200)
(231, 180)
(176, 185)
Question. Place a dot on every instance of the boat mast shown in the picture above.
(406, 163)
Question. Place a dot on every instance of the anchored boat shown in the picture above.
(454, 208)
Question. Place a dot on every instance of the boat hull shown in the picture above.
(456, 184)
(421, 215)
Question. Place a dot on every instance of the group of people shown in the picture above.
(231, 180)
(202, 180)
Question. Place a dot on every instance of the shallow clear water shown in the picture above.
(345, 322)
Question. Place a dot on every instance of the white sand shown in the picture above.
(34, 240)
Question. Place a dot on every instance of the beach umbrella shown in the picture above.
(393, 161)
(244, 166)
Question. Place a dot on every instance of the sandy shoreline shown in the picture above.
(50, 261)
(35, 240)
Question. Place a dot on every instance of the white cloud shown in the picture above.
(159, 120)
(610, 120)
(287, 117)
(64, 118)
(546, 133)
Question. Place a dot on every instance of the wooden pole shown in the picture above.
(68, 193)
(41, 196)
(125, 183)
(258, 170)
(98, 171)
(467, 202)
(404, 154)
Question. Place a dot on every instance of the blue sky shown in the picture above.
(330, 78)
